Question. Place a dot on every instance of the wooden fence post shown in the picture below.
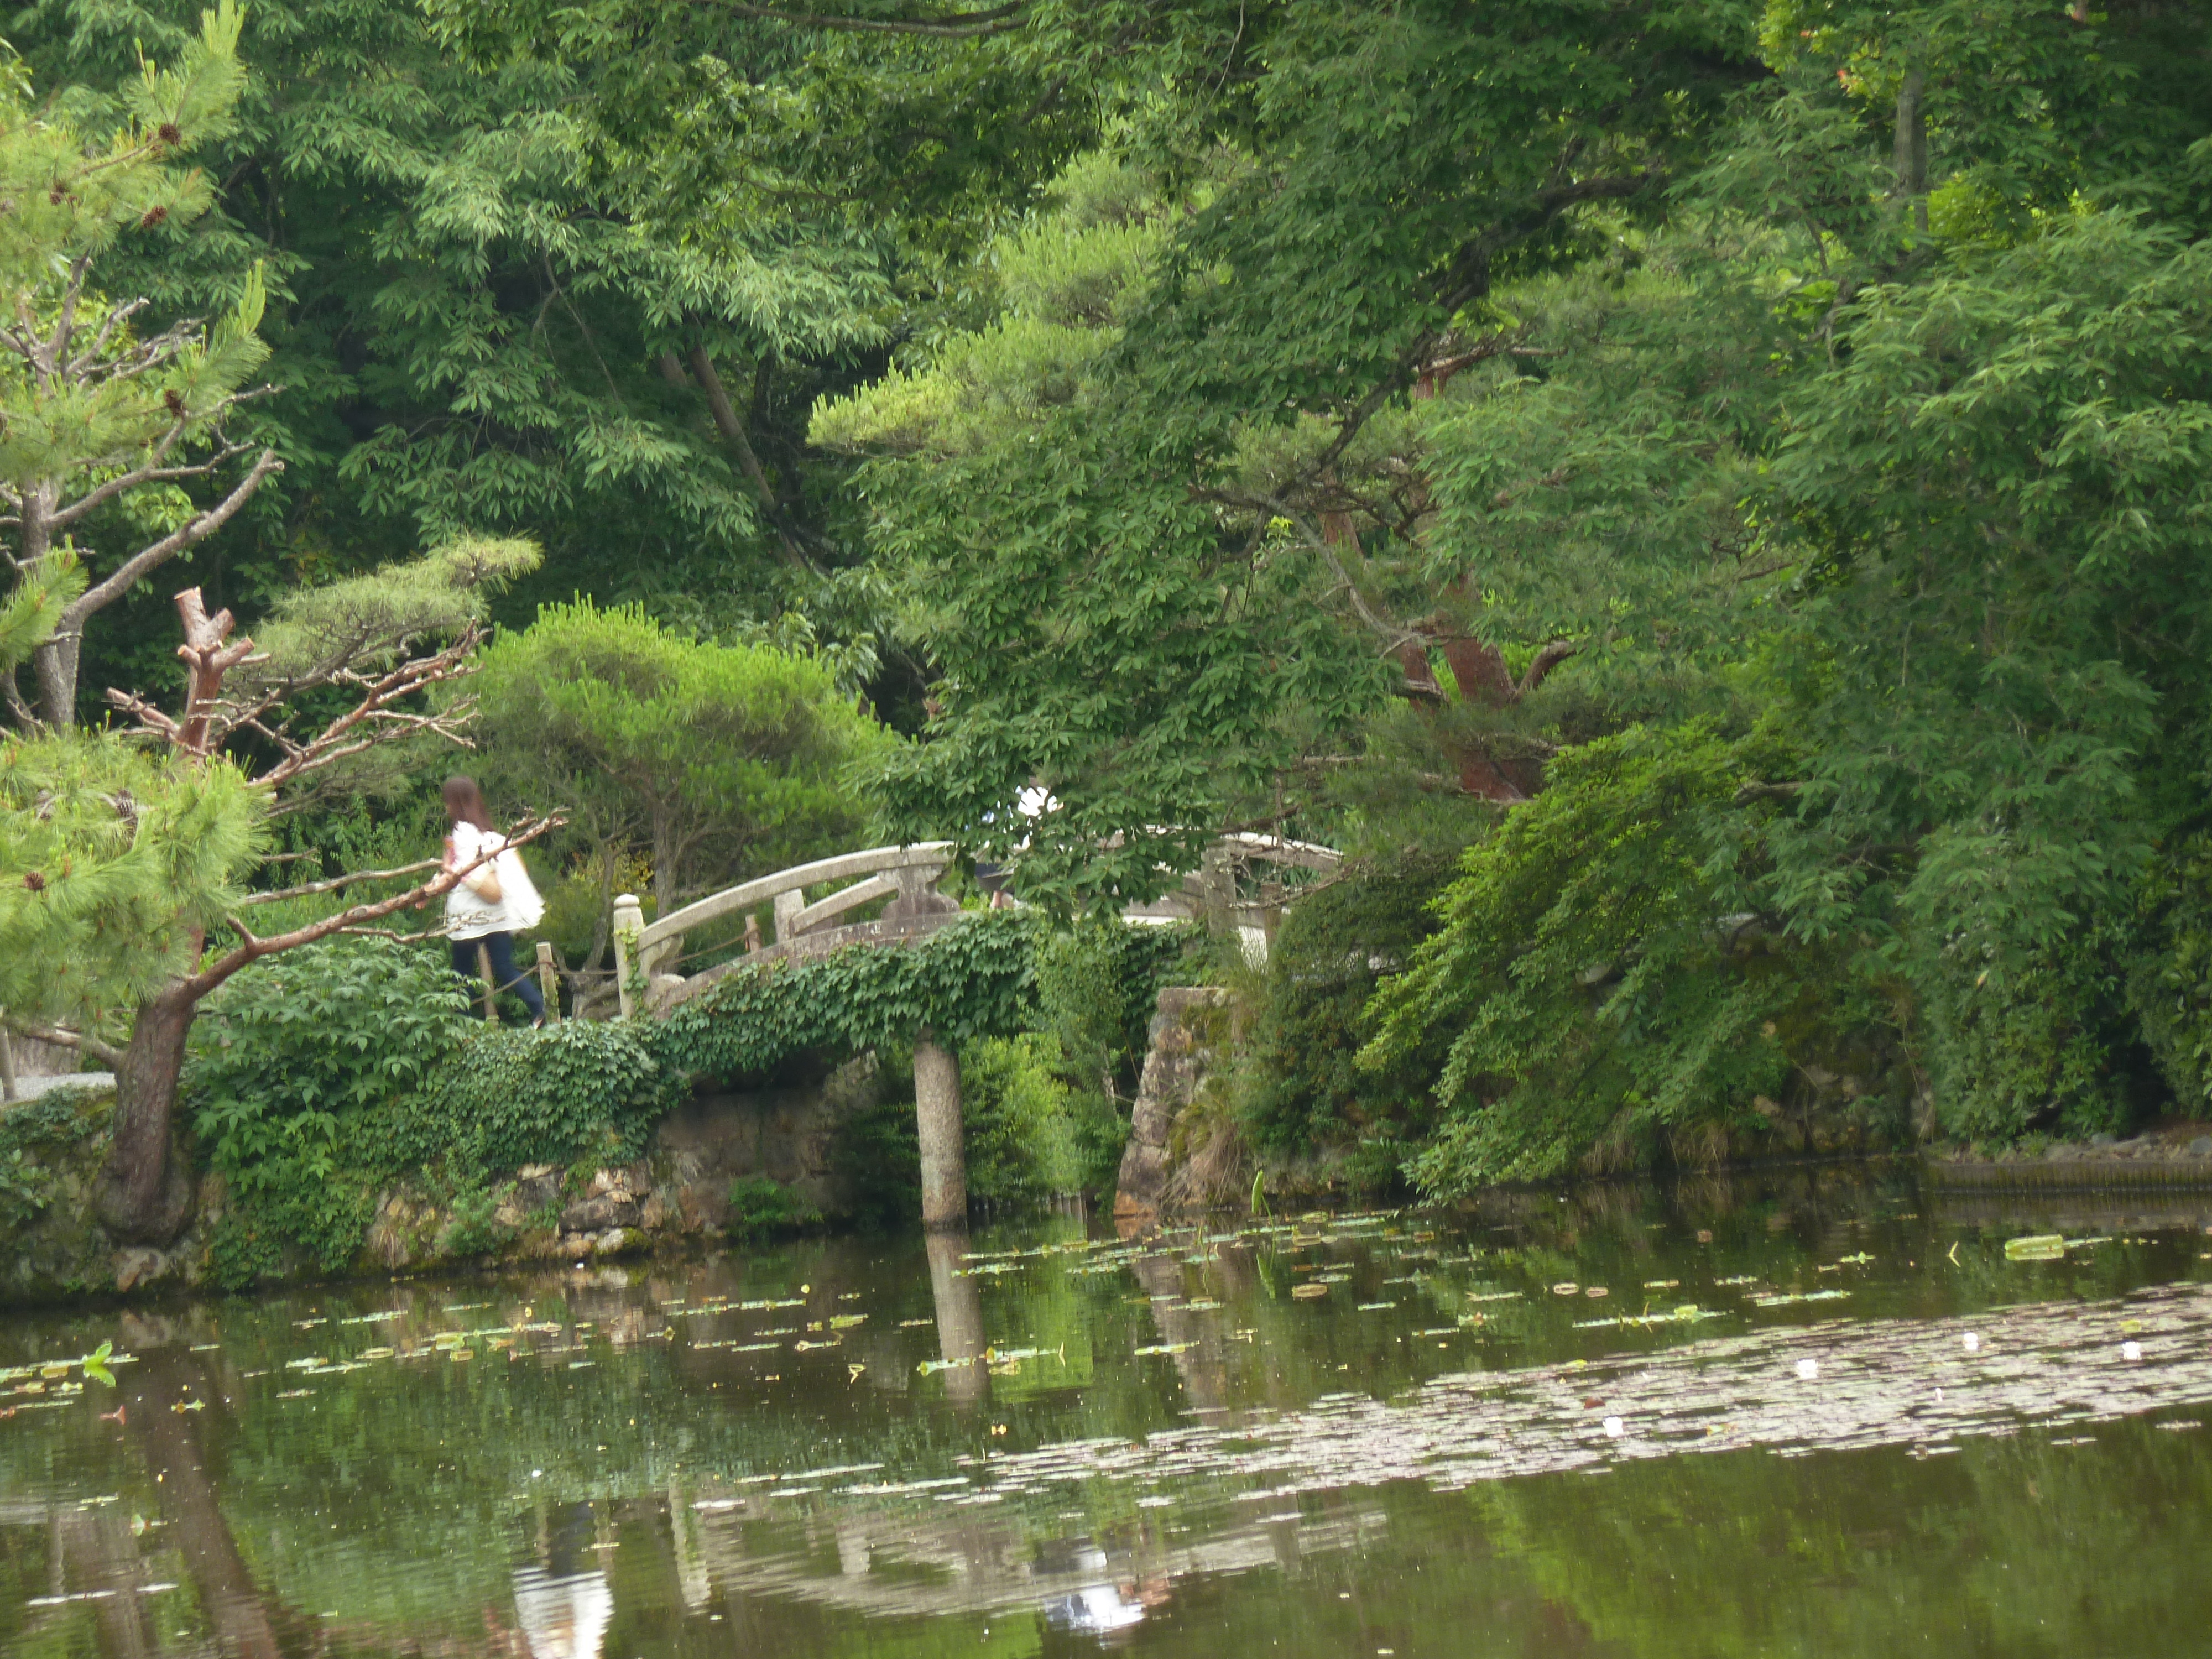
(490, 990)
(549, 981)
(629, 922)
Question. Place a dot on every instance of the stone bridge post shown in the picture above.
(936, 1122)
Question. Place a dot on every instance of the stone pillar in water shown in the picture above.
(959, 1319)
(937, 1121)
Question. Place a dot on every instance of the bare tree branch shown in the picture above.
(308, 889)
(205, 525)
(252, 948)
(83, 1042)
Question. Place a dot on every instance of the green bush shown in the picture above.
(2169, 982)
(1302, 1091)
(2042, 1045)
(511, 1095)
(297, 1069)
(760, 1208)
(1601, 977)
(298, 1046)
(55, 1124)
(1097, 985)
(1023, 1140)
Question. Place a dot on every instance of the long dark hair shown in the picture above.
(464, 803)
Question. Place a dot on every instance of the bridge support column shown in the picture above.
(936, 1122)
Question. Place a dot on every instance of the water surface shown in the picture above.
(1800, 1416)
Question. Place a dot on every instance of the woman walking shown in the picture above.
(494, 902)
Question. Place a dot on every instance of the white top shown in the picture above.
(519, 908)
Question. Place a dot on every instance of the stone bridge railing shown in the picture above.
(908, 876)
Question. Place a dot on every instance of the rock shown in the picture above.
(533, 1172)
(2103, 1139)
(136, 1266)
(612, 1242)
(589, 1215)
(2201, 1147)
(1176, 1064)
(510, 1214)
(658, 1211)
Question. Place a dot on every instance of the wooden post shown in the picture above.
(752, 933)
(7, 1063)
(937, 1124)
(629, 922)
(549, 981)
(490, 990)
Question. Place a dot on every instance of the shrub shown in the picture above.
(298, 1046)
(1304, 1093)
(1097, 985)
(1022, 1143)
(1600, 977)
(760, 1208)
(56, 1125)
(510, 1096)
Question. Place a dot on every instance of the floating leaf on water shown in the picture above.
(1376, 1307)
(1662, 1284)
(1565, 1287)
(2036, 1247)
(1308, 1293)
(1597, 1290)
(1166, 1347)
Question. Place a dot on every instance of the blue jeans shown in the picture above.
(503, 975)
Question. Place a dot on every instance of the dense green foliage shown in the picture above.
(288, 1051)
(710, 763)
(1302, 1092)
(960, 984)
(1025, 1142)
(108, 858)
(321, 1076)
(513, 1095)
(1731, 479)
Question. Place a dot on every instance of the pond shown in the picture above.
(1807, 1414)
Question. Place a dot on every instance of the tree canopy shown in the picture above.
(1729, 479)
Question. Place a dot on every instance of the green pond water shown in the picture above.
(1814, 1414)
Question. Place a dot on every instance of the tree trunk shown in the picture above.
(56, 662)
(937, 1121)
(146, 1197)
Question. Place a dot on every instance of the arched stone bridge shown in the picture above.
(1225, 892)
(1222, 892)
